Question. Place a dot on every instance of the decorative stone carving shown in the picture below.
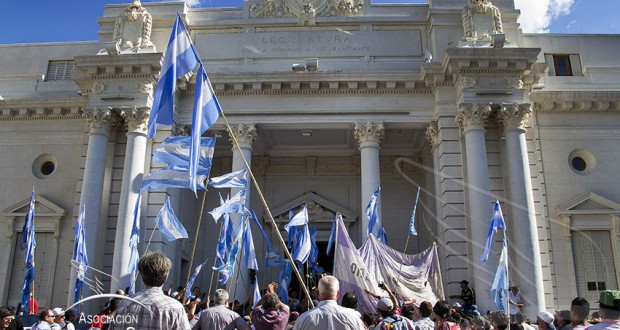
(100, 120)
(369, 133)
(466, 82)
(514, 115)
(98, 87)
(182, 130)
(472, 116)
(432, 134)
(306, 10)
(144, 87)
(514, 82)
(132, 30)
(481, 20)
(244, 133)
(316, 211)
(136, 119)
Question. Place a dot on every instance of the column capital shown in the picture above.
(432, 134)
(369, 134)
(514, 116)
(100, 120)
(245, 134)
(136, 119)
(472, 116)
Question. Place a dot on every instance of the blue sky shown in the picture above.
(24, 21)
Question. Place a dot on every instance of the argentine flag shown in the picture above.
(168, 223)
(181, 58)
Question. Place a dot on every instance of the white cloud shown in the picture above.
(192, 3)
(536, 15)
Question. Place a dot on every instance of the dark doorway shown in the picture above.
(325, 261)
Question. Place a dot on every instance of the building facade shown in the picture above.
(328, 100)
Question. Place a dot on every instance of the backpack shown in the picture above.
(393, 323)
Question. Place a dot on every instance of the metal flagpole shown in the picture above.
(270, 216)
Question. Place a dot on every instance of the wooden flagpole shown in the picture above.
(215, 260)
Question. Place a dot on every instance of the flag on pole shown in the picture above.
(313, 258)
(248, 260)
(31, 244)
(301, 251)
(375, 226)
(237, 179)
(23, 243)
(192, 279)
(228, 268)
(206, 111)
(499, 289)
(174, 150)
(497, 221)
(256, 295)
(168, 223)
(134, 239)
(272, 257)
(283, 283)
(169, 177)
(234, 205)
(412, 230)
(181, 58)
(330, 241)
(299, 219)
(79, 253)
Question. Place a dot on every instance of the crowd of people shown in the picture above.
(160, 310)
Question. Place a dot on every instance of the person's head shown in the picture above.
(368, 319)
(426, 309)
(121, 292)
(196, 291)
(111, 306)
(270, 301)
(70, 315)
(609, 304)
(500, 321)
(442, 309)
(154, 268)
(579, 310)
(221, 297)
(328, 288)
(292, 317)
(545, 321)
(59, 315)
(464, 284)
(385, 307)
(519, 317)
(516, 326)
(349, 300)
(478, 323)
(596, 318)
(465, 325)
(46, 316)
(562, 318)
(6, 317)
(514, 289)
(456, 306)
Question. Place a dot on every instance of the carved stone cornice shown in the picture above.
(41, 109)
(369, 134)
(136, 119)
(514, 116)
(100, 120)
(576, 102)
(307, 9)
(432, 134)
(472, 116)
(245, 134)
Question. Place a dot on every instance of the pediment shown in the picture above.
(43, 207)
(320, 213)
(589, 203)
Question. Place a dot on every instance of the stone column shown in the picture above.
(133, 170)
(526, 251)
(479, 204)
(369, 135)
(245, 135)
(100, 121)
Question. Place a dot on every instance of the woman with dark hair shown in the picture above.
(270, 312)
(445, 320)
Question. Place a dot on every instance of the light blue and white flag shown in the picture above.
(234, 205)
(192, 279)
(313, 258)
(174, 150)
(237, 179)
(412, 230)
(79, 253)
(499, 289)
(272, 257)
(299, 219)
(168, 177)
(31, 244)
(256, 294)
(206, 111)
(134, 239)
(181, 58)
(248, 260)
(227, 270)
(497, 221)
(301, 251)
(330, 241)
(375, 226)
(23, 243)
(168, 223)
(285, 280)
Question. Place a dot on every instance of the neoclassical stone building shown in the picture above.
(328, 99)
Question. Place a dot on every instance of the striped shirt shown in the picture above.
(165, 312)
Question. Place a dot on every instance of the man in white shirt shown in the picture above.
(515, 301)
(328, 314)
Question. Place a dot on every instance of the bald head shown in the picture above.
(328, 288)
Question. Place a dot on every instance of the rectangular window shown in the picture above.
(595, 270)
(563, 65)
(59, 70)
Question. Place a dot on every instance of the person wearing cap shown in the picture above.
(390, 319)
(59, 319)
(545, 321)
(609, 307)
(328, 314)
(473, 311)
(468, 295)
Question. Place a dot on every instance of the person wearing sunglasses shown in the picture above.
(46, 318)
